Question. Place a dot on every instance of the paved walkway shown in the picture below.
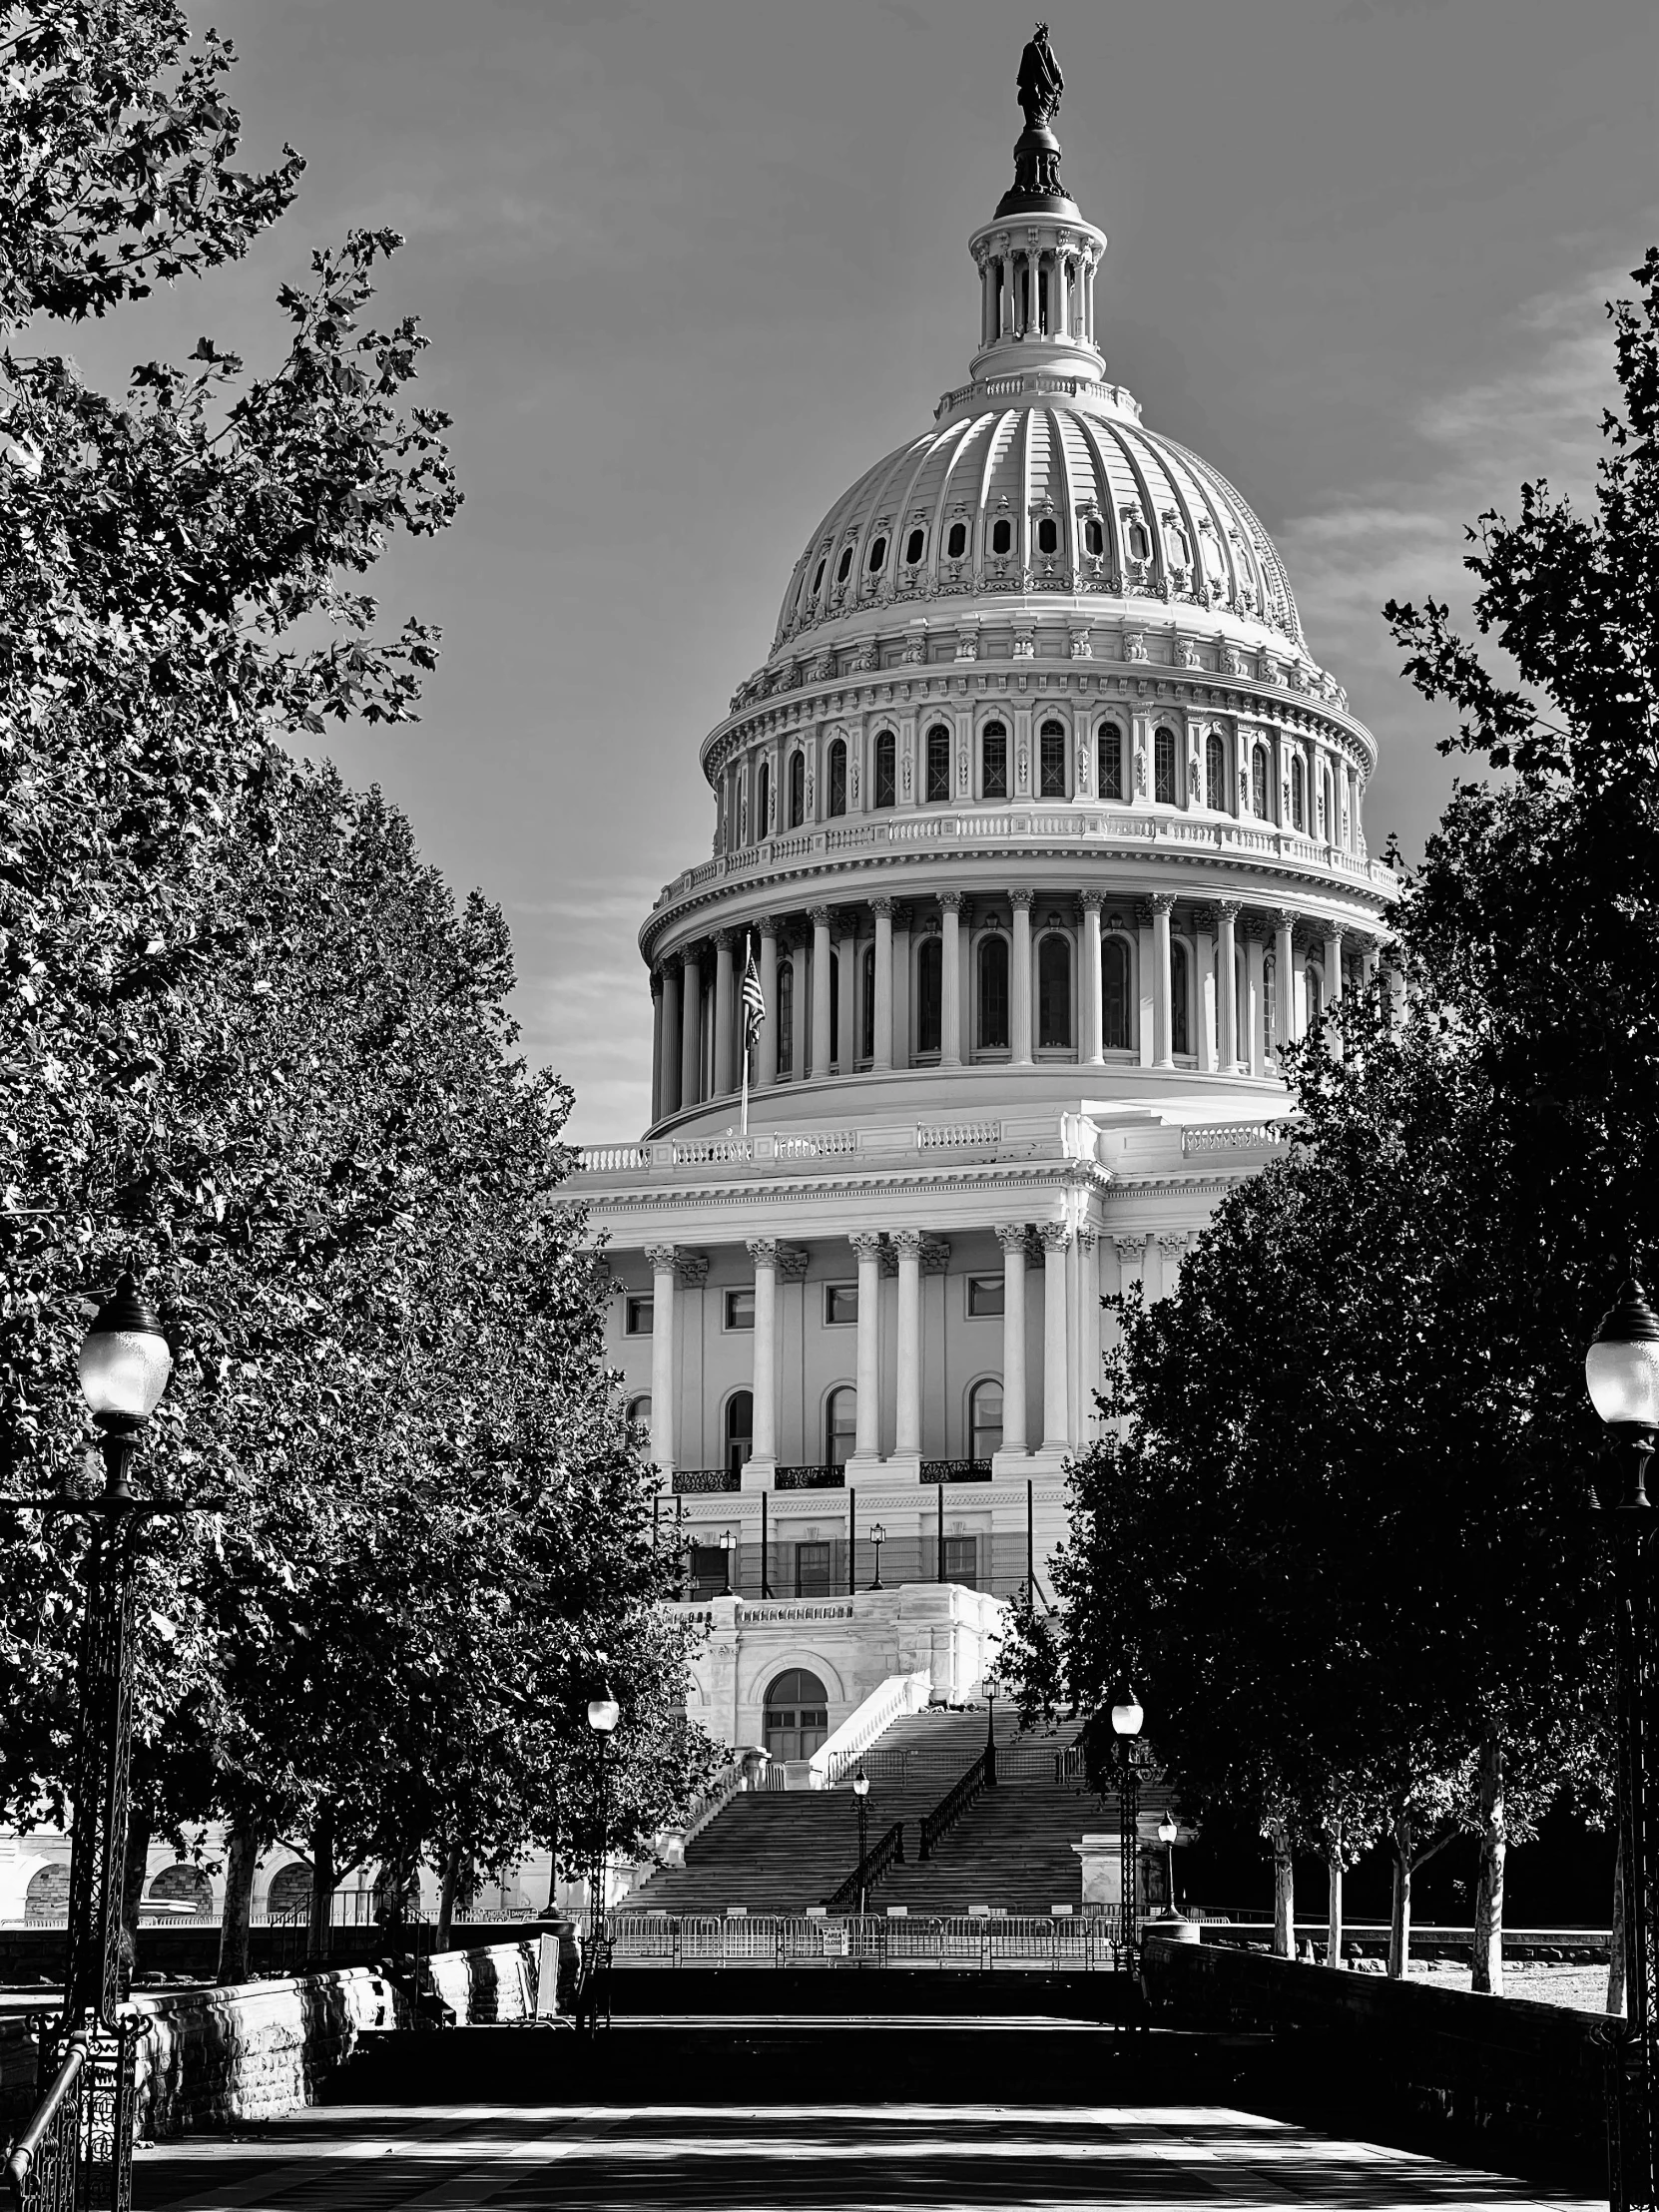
(851, 2159)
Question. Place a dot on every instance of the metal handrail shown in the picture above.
(965, 1791)
(888, 1852)
(52, 2138)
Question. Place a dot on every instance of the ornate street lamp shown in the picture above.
(728, 1555)
(602, 1714)
(1127, 1717)
(877, 1536)
(84, 2126)
(1168, 1829)
(1621, 1371)
(861, 1797)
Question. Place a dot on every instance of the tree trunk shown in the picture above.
(1615, 1948)
(239, 1862)
(320, 1920)
(1488, 1962)
(1284, 1891)
(131, 1886)
(1333, 1923)
(1399, 1918)
(450, 1882)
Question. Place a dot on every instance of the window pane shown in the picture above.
(914, 546)
(985, 1421)
(1163, 758)
(867, 1025)
(1114, 967)
(1109, 779)
(1215, 775)
(956, 543)
(841, 1302)
(1179, 994)
(1053, 759)
(929, 994)
(786, 1017)
(993, 995)
(1258, 783)
(1054, 994)
(961, 1560)
(740, 1309)
(993, 757)
(837, 778)
(938, 765)
(985, 1296)
(1002, 536)
(637, 1317)
(1048, 535)
(1094, 539)
(812, 1571)
(886, 775)
(841, 1427)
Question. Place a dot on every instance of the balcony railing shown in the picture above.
(955, 1471)
(706, 1481)
(808, 1478)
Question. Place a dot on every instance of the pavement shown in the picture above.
(853, 2157)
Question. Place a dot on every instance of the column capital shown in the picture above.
(935, 1255)
(661, 1257)
(1162, 902)
(818, 916)
(1010, 1235)
(866, 1242)
(691, 1268)
(656, 983)
(791, 1262)
(883, 908)
(1087, 1238)
(766, 926)
(1285, 917)
(1055, 1234)
(1334, 933)
(1094, 898)
(1206, 920)
(1130, 1250)
(906, 1242)
(723, 940)
(1021, 898)
(763, 1250)
(951, 901)
(1229, 909)
(691, 955)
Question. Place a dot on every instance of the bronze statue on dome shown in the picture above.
(1040, 81)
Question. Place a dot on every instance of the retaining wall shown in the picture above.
(1515, 2083)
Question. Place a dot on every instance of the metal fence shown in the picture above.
(1085, 1942)
(832, 1567)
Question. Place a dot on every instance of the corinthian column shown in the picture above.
(668, 1103)
(1163, 1024)
(866, 1442)
(725, 1080)
(950, 980)
(1094, 1051)
(819, 918)
(691, 1028)
(1011, 1237)
(1021, 980)
(1227, 990)
(1056, 1239)
(766, 1073)
(881, 1056)
(661, 1257)
(764, 1440)
(907, 1428)
(1283, 979)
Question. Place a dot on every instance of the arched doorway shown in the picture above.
(47, 1897)
(186, 1884)
(291, 1889)
(797, 1715)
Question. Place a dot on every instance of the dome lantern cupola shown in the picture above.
(1038, 258)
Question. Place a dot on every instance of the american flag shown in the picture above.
(754, 1001)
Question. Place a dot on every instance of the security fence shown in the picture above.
(1082, 1942)
(720, 1562)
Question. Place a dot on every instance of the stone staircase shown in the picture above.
(775, 1851)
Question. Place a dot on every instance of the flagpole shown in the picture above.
(743, 1128)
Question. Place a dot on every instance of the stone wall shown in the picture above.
(1506, 2079)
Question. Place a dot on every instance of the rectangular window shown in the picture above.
(961, 1560)
(709, 1572)
(840, 1304)
(636, 1315)
(740, 1309)
(994, 761)
(984, 1294)
(812, 1571)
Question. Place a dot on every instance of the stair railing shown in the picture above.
(965, 1791)
(887, 1852)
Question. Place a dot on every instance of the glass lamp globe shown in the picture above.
(1167, 1830)
(124, 1361)
(860, 1784)
(1126, 1711)
(602, 1714)
(1621, 1367)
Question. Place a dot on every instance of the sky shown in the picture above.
(688, 266)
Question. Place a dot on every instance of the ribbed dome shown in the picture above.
(1034, 485)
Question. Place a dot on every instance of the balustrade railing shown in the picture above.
(883, 1855)
(1237, 1136)
(966, 1790)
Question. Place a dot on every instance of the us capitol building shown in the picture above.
(1044, 829)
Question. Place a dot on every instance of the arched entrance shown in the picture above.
(797, 1715)
(185, 1885)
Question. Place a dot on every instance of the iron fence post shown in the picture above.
(1633, 2184)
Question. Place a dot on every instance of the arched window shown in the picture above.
(915, 546)
(984, 1420)
(1054, 994)
(886, 769)
(763, 801)
(1270, 995)
(798, 789)
(1175, 546)
(878, 554)
(938, 765)
(1109, 760)
(1164, 788)
(1215, 775)
(993, 994)
(1180, 994)
(1048, 535)
(740, 1430)
(1313, 995)
(1209, 551)
(1051, 757)
(866, 1023)
(1002, 536)
(797, 1715)
(639, 1416)
(1140, 545)
(1258, 783)
(1094, 539)
(841, 1426)
(1326, 811)
(993, 761)
(956, 544)
(929, 994)
(1116, 1026)
(786, 1017)
(838, 777)
(1298, 796)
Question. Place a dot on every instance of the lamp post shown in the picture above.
(1168, 1829)
(1127, 1717)
(602, 1714)
(729, 1555)
(123, 1365)
(1621, 1372)
(861, 1797)
(877, 1536)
